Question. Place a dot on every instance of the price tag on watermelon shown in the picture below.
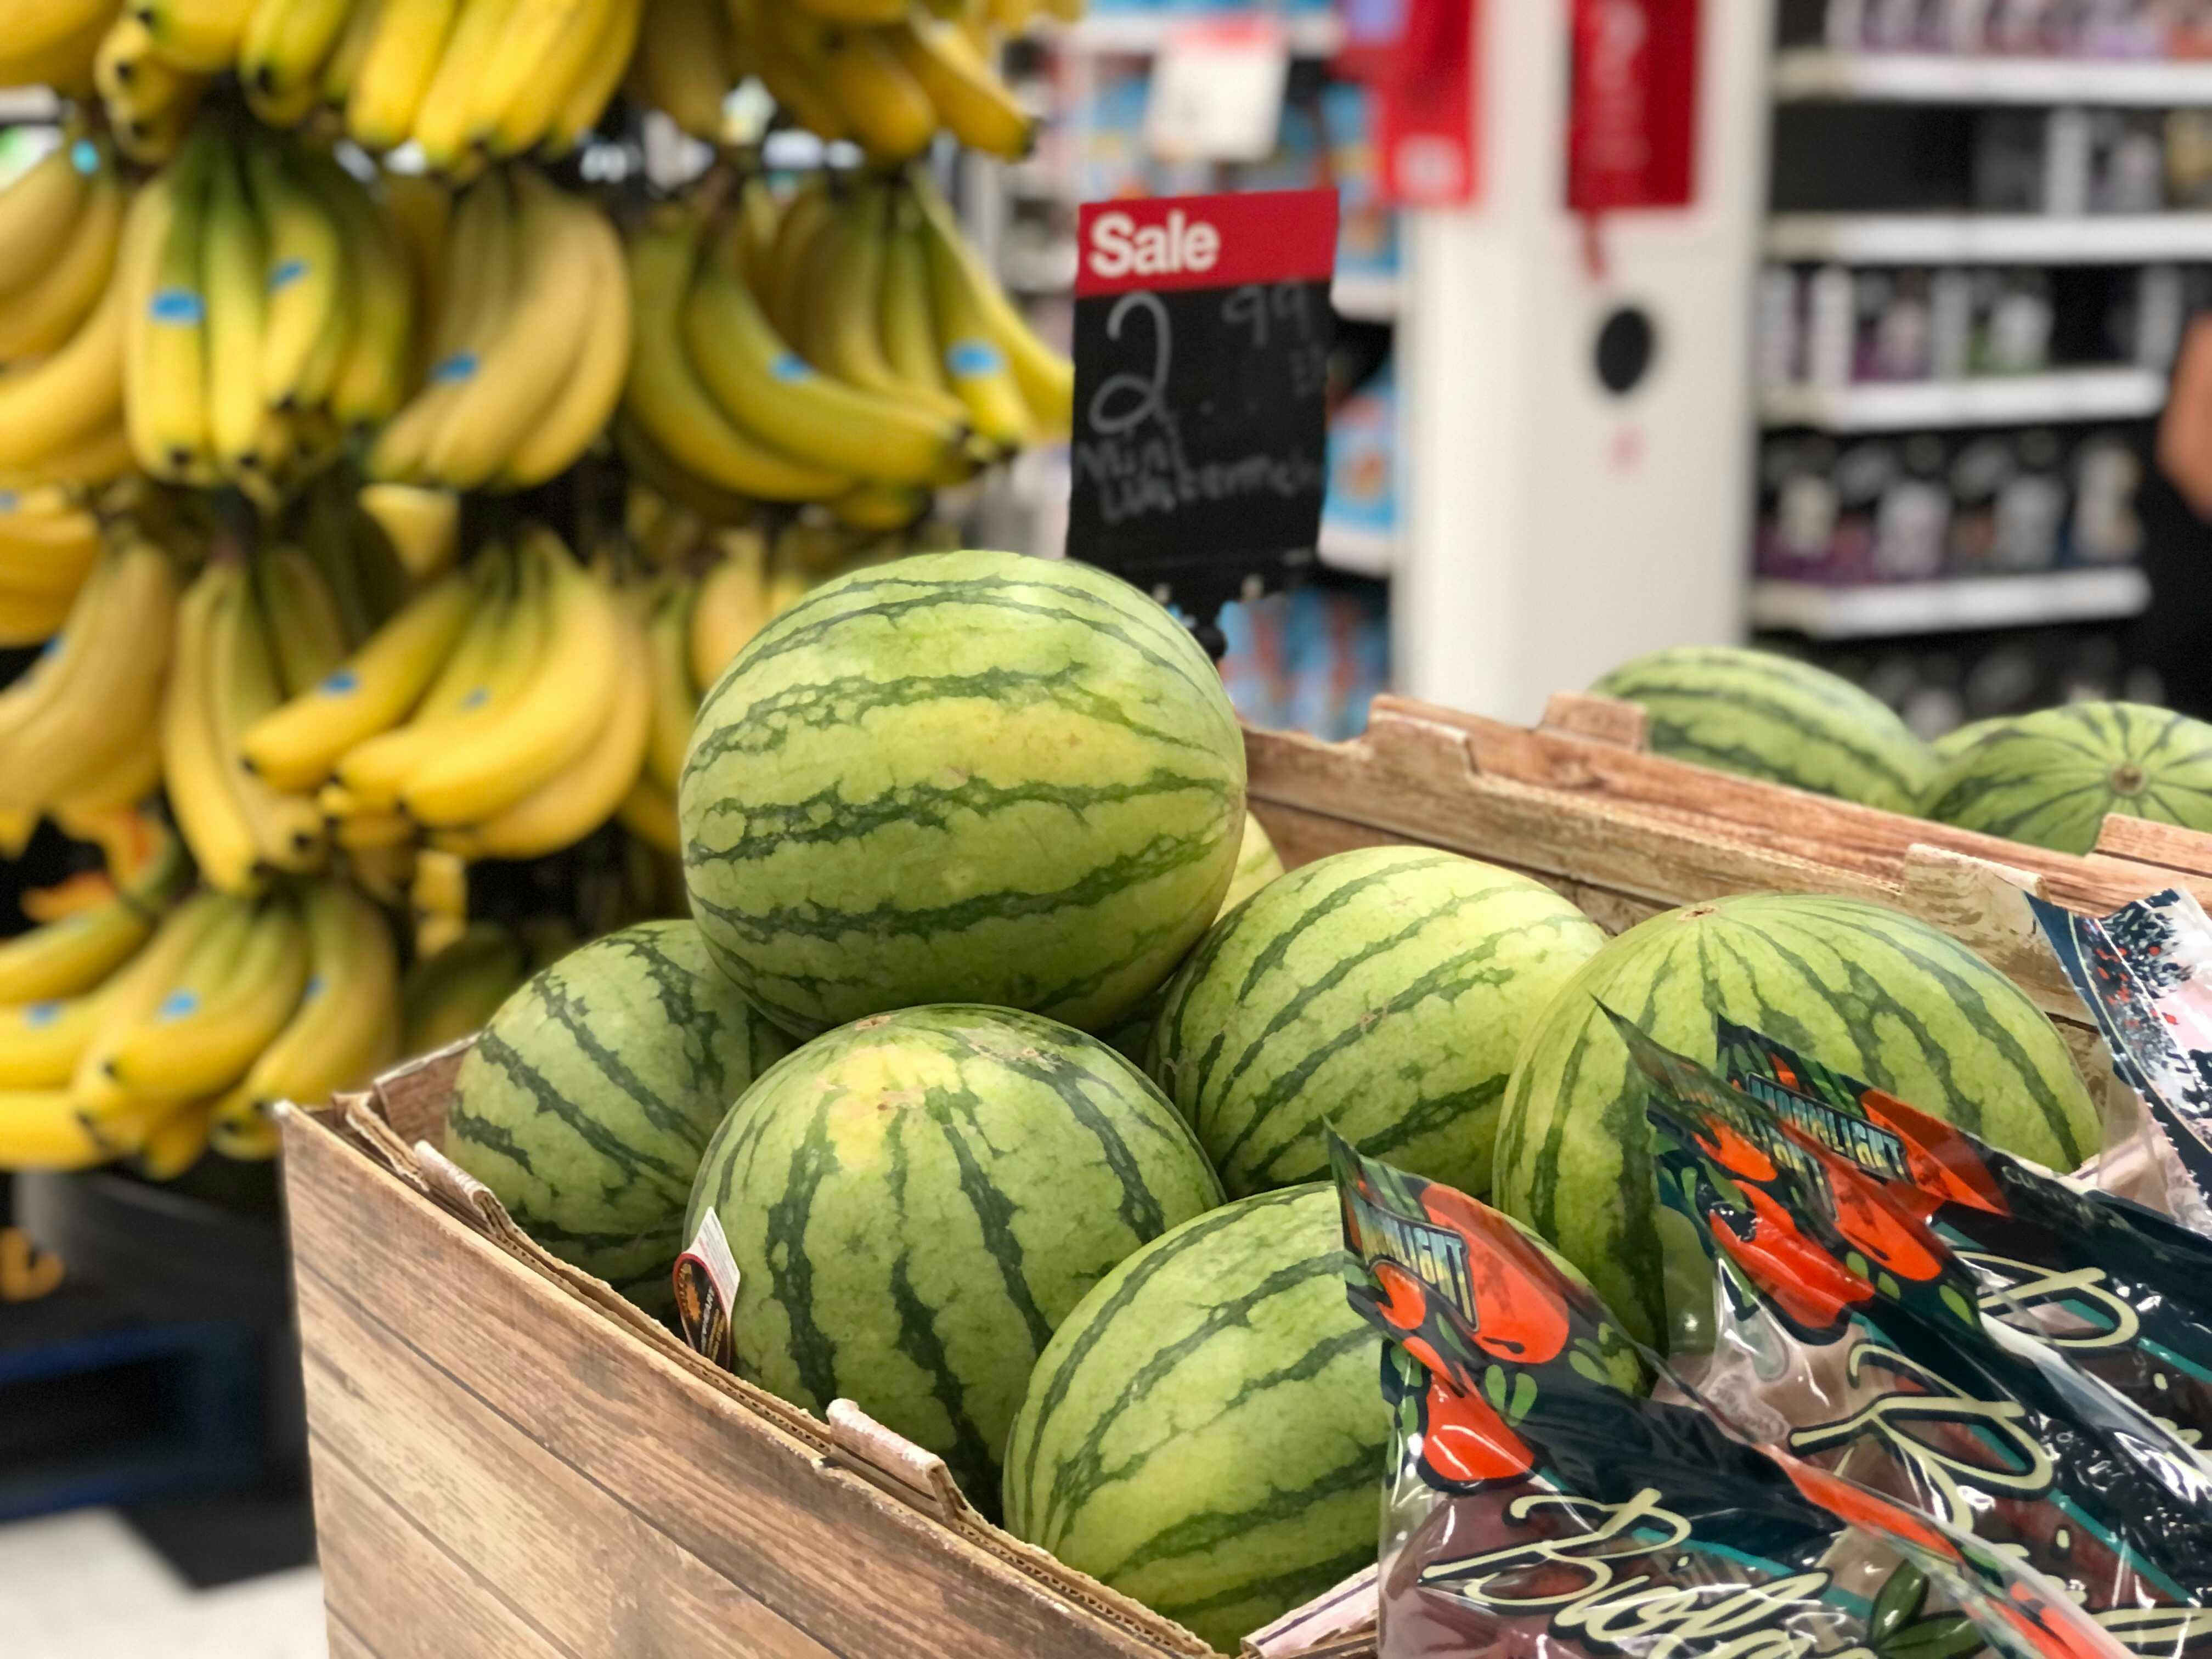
(707, 1289)
(1202, 334)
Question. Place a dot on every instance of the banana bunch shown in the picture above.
(150, 100)
(68, 233)
(49, 542)
(50, 43)
(272, 315)
(842, 346)
(78, 729)
(451, 994)
(503, 713)
(528, 344)
(230, 1005)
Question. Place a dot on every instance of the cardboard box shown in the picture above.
(512, 1462)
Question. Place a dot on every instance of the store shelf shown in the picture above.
(1357, 552)
(1141, 33)
(1954, 239)
(1963, 78)
(1364, 299)
(2077, 394)
(1831, 611)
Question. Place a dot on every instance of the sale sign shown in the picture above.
(1202, 334)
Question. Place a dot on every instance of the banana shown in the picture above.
(64, 64)
(766, 386)
(732, 605)
(200, 35)
(121, 776)
(663, 393)
(346, 1027)
(858, 12)
(233, 267)
(151, 128)
(70, 956)
(438, 900)
(304, 275)
(580, 407)
(675, 699)
(649, 812)
(289, 833)
(843, 334)
(905, 327)
(441, 125)
(451, 994)
(779, 277)
(525, 118)
(297, 745)
(207, 1032)
(970, 100)
(562, 243)
(759, 39)
(109, 686)
(335, 83)
(422, 526)
(391, 82)
(286, 44)
(1046, 379)
(576, 800)
(759, 216)
(207, 810)
(40, 211)
(884, 108)
(482, 269)
(47, 311)
(880, 506)
(177, 1142)
(41, 1042)
(306, 624)
(97, 457)
(371, 374)
(34, 33)
(203, 931)
(483, 771)
(522, 77)
(978, 371)
(588, 98)
(680, 55)
(47, 678)
(166, 371)
(44, 1129)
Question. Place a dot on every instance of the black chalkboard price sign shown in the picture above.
(1202, 333)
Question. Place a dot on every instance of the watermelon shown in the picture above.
(587, 1102)
(1384, 991)
(1857, 986)
(1960, 738)
(916, 1201)
(1772, 717)
(962, 777)
(1206, 1433)
(2049, 778)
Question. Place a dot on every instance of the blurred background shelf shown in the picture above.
(1957, 239)
(2073, 394)
(1356, 552)
(1962, 78)
(1140, 35)
(1823, 610)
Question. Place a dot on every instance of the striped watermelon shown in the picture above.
(916, 1199)
(1206, 1432)
(587, 1102)
(1772, 717)
(1384, 991)
(2049, 778)
(962, 777)
(1960, 738)
(1865, 989)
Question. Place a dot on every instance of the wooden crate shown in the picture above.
(512, 1462)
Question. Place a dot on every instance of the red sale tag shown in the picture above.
(1206, 241)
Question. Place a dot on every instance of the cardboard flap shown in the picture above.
(1337, 1624)
(889, 1459)
(413, 1096)
(1602, 720)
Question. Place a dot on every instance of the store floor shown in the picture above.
(84, 1586)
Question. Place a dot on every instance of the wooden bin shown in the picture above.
(511, 1462)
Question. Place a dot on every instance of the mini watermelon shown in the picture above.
(2049, 778)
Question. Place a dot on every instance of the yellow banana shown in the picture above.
(70, 956)
(200, 935)
(588, 99)
(681, 55)
(47, 32)
(880, 506)
(204, 1036)
(765, 385)
(207, 809)
(177, 1142)
(778, 279)
(441, 125)
(346, 1027)
(580, 407)
(307, 627)
(287, 831)
(40, 209)
(438, 900)
(663, 393)
(759, 215)
(859, 12)
(482, 269)
(485, 770)
(530, 49)
(44, 1129)
(233, 266)
(759, 41)
(371, 375)
(41, 1042)
(905, 326)
(121, 774)
(165, 370)
(844, 336)
(451, 994)
(970, 100)
(201, 35)
(527, 116)
(883, 108)
(304, 275)
(579, 799)
(44, 314)
(297, 745)
(390, 82)
(97, 457)
(649, 812)
(1046, 379)
(422, 526)
(286, 44)
(335, 84)
(732, 606)
(675, 700)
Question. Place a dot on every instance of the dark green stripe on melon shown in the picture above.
(1206, 1432)
(1772, 717)
(1855, 986)
(2049, 778)
(587, 1102)
(915, 1200)
(969, 777)
(1383, 991)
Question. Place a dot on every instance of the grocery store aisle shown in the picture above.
(82, 1586)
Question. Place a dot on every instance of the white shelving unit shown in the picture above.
(2011, 239)
(1139, 34)
(1364, 299)
(1959, 78)
(2076, 394)
(1357, 552)
(1827, 611)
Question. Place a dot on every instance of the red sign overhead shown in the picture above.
(1421, 58)
(1206, 241)
(1631, 131)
